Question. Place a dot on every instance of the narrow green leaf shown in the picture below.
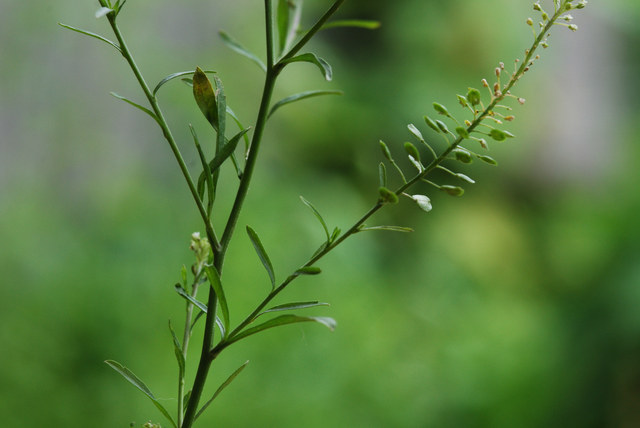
(335, 234)
(135, 380)
(330, 323)
(203, 309)
(353, 23)
(220, 388)
(90, 34)
(382, 173)
(283, 23)
(237, 47)
(312, 58)
(300, 96)
(186, 399)
(177, 349)
(262, 254)
(389, 228)
(182, 292)
(144, 109)
(206, 171)
(241, 127)
(175, 76)
(318, 216)
(205, 97)
(216, 283)
(293, 306)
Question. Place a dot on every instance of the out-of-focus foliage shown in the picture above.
(516, 305)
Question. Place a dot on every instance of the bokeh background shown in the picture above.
(517, 305)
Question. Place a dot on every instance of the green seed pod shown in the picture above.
(412, 151)
(488, 159)
(385, 151)
(463, 155)
(415, 131)
(462, 132)
(473, 96)
(452, 190)
(441, 109)
(498, 135)
(442, 126)
(387, 196)
(463, 101)
(431, 124)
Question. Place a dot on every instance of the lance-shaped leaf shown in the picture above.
(389, 228)
(312, 58)
(223, 155)
(293, 306)
(136, 105)
(90, 34)
(177, 349)
(182, 292)
(353, 23)
(262, 254)
(135, 380)
(318, 216)
(207, 173)
(235, 118)
(300, 96)
(203, 308)
(330, 323)
(216, 283)
(237, 47)
(283, 15)
(220, 388)
(175, 76)
(205, 97)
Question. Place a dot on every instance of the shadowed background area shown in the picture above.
(514, 306)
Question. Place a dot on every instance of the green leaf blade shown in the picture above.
(318, 216)
(221, 388)
(138, 383)
(237, 47)
(90, 34)
(216, 283)
(175, 76)
(262, 254)
(136, 105)
(293, 306)
(323, 66)
(352, 23)
(299, 97)
(330, 323)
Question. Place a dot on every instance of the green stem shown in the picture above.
(166, 131)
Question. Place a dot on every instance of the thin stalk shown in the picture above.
(166, 131)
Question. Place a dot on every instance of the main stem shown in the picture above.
(207, 356)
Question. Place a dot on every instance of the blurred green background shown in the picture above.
(517, 305)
